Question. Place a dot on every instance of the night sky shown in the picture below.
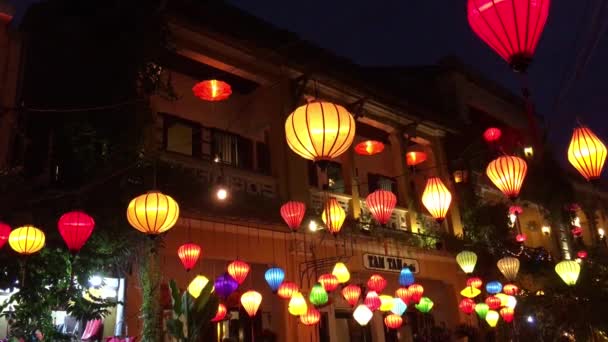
(420, 32)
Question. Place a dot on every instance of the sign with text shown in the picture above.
(389, 263)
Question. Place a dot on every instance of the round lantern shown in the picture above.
(474, 282)
(26, 240)
(492, 318)
(416, 291)
(351, 294)
(507, 314)
(393, 321)
(381, 204)
(399, 306)
(372, 301)
(470, 292)
(404, 294)
(582, 254)
(225, 285)
(369, 148)
(493, 287)
(425, 305)
(320, 131)
(492, 134)
(587, 153)
(153, 213)
(251, 301)
(406, 277)
(287, 289)
(509, 267)
(220, 314)
(197, 285)
(362, 315)
(386, 303)
(436, 198)
(568, 270)
(238, 270)
(297, 304)
(510, 289)
(414, 158)
(333, 216)
(467, 261)
(212, 90)
(481, 309)
(504, 299)
(577, 231)
(5, 231)
(318, 296)
(341, 272)
(189, 253)
(507, 173)
(75, 228)
(329, 282)
(274, 277)
(466, 306)
(376, 283)
(311, 317)
(293, 214)
(493, 302)
(512, 28)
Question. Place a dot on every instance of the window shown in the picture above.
(263, 157)
(332, 179)
(232, 149)
(181, 136)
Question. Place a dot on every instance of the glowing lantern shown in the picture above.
(406, 277)
(329, 282)
(515, 210)
(372, 301)
(414, 158)
(587, 153)
(287, 289)
(351, 294)
(318, 296)
(225, 285)
(470, 292)
(153, 213)
(577, 231)
(212, 90)
(425, 305)
(341, 272)
(521, 238)
(251, 301)
(26, 240)
(393, 321)
(333, 216)
(404, 294)
(5, 231)
(509, 267)
(362, 315)
(376, 283)
(197, 285)
(399, 306)
(311, 317)
(189, 253)
(492, 318)
(493, 302)
(481, 309)
(369, 147)
(507, 314)
(510, 289)
(297, 304)
(274, 277)
(436, 198)
(467, 261)
(467, 306)
(416, 291)
(568, 270)
(474, 282)
(386, 303)
(320, 131)
(504, 299)
(492, 134)
(511, 302)
(238, 270)
(220, 314)
(75, 228)
(508, 174)
(493, 287)
(381, 204)
(582, 254)
(293, 214)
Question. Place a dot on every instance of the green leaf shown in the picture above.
(175, 299)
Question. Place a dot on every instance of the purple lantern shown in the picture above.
(225, 285)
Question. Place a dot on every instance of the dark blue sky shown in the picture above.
(418, 32)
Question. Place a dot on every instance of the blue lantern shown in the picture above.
(274, 277)
(399, 307)
(225, 285)
(406, 277)
(493, 287)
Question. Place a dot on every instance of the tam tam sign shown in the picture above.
(389, 263)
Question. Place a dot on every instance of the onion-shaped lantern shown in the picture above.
(220, 314)
(26, 240)
(425, 305)
(509, 267)
(406, 277)
(475, 282)
(507, 314)
(333, 216)
(318, 296)
(436, 198)
(466, 306)
(293, 214)
(481, 309)
(369, 147)
(287, 289)
(381, 204)
(251, 301)
(587, 153)
(311, 317)
(153, 213)
(470, 292)
(351, 294)
(493, 287)
(238, 270)
(393, 321)
(510, 289)
(212, 90)
(467, 261)
(414, 158)
(404, 294)
(399, 306)
(297, 304)
(225, 285)
(416, 291)
(492, 134)
(376, 283)
(493, 302)
(512, 28)
(274, 278)
(386, 303)
(189, 254)
(568, 270)
(197, 285)
(329, 282)
(320, 131)
(75, 228)
(492, 318)
(507, 173)
(341, 272)
(372, 301)
(362, 315)
(5, 231)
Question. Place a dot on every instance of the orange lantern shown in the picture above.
(393, 321)
(311, 317)
(188, 254)
(510, 289)
(238, 270)
(404, 294)
(436, 198)
(287, 289)
(507, 314)
(414, 158)
(212, 90)
(376, 283)
(153, 213)
(329, 281)
(587, 153)
(474, 282)
(351, 294)
(369, 147)
(220, 314)
(416, 291)
(333, 216)
(508, 174)
(251, 301)
(26, 240)
(381, 204)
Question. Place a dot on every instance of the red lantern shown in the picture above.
(293, 213)
(189, 253)
(493, 302)
(351, 294)
(582, 254)
(515, 210)
(474, 282)
(587, 153)
(311, 317)
(467, 306)
(492, 134)
(329, 281)
(404, 294)
(510, 289)
(212, 90)
(577, 231)
(372, 301)
(414, 158)
(5, 231)
(521, 238)
(508, 174)
(287, 289)
(416, 292)
(511, 28)
(220, 314)
(381, 204)
(369, 147)
(238, 270)
(507, 314)
(393, 321)
(376, 283)
(75, 228)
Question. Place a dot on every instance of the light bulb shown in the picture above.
(221, 194)
(312, 226)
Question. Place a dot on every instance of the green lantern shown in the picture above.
(482, 310)
(425, 305)
(318, 296)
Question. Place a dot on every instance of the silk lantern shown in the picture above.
(287, 289)
(318, 296)
(568, 270)
(26, 240)
(341, 272)
(416, 291)
(251, 301)
(220, 314)
(507, 314)
(404, 294)
(509, 267)
(372, 301)
(369, 147)
(274, 278)
(492, 134)
(425, 305)
(436, 198)
(406, 277)
(351, 294)
(482, 310)
(493, 287)
(5, 231)
(467, 261)
(470, 292)
(75, 228)
(466, 306)
(297, 304)
(311, 317)
(376, 283)
(587, 153)
(413, 158)
(507, 173)
(399, 306)
(381, 204)
(189, 254)
(474, 282)
(510, 289)
(225, 285)
(333, 216)
(238, 270)
(329, 282)
(504, 299)
(386, 303)
(393, 321)
(292, 213)
(197, 285)
(492, 318)
(153, 213)
(212, 90)
(493, 302)
(362, 315)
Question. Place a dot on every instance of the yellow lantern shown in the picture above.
(568, 270)
(26, 240)
(492, 318)
(333, 215)
(386, 303)
(504, 299)
(436, 198)
(297, 304)
(470, 292)
(508, 174)
(251, 301)
(341, 272)
(197, 285)
(587, 153)
(153, 213)
(320, 131)
(509, 267)
(467, 261)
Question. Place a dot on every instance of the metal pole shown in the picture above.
(120, 308)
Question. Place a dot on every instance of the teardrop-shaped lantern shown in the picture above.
(509, 267)
(153, 213)
(404, 294)
(466, 306)
(341, 272)
(5, 231)
(507, 314)
(329, 282)
(568, 270)
(26, 240)
(189, 254)
(351, 294)
(587, 153)
(293, 214)
(399, 306)
(436, 198)
(320, 131)
(333, 215)
(297, 304)
(369, 148)
(238, 270)
(197, 285)
(274, 277)
(75, 228)
(492, 318)
(212, 90)
(220, 314)
(287, 289)
(318, 296)
(510, 289)
(508, 174)
(372, 301)
(425, 305)
(311, 317)
(225, 285)
(493, 287)
(251, 301)
(406, 277)
(482, 310)
(381, 204)
(467, 261)
(416, 291)
(362, 315)
(393, 321)
(376, 283)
